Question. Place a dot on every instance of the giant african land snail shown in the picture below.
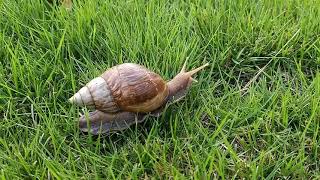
(125, 94)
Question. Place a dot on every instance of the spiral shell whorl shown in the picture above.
(97, 94)
(82, 97)
(136, 88)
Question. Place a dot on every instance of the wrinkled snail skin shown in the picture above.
(134, 94)
(105, 123)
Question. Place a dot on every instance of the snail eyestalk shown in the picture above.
(192, 72)
(183, 69)
(179, 85)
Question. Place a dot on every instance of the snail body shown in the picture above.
(125, 94)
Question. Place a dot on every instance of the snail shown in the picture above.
(126, 94)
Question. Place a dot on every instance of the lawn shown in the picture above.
(253, 114)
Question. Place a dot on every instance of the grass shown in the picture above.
(254, 114)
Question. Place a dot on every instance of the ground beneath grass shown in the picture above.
(254, 113)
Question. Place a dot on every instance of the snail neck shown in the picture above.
(178, 87)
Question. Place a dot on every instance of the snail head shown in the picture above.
(182, 81)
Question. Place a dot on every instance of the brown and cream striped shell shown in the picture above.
(125, 87)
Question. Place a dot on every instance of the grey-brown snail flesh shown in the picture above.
(100, 122)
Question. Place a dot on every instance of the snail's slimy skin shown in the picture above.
(103, 123)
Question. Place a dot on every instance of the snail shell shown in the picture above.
(125, 87)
